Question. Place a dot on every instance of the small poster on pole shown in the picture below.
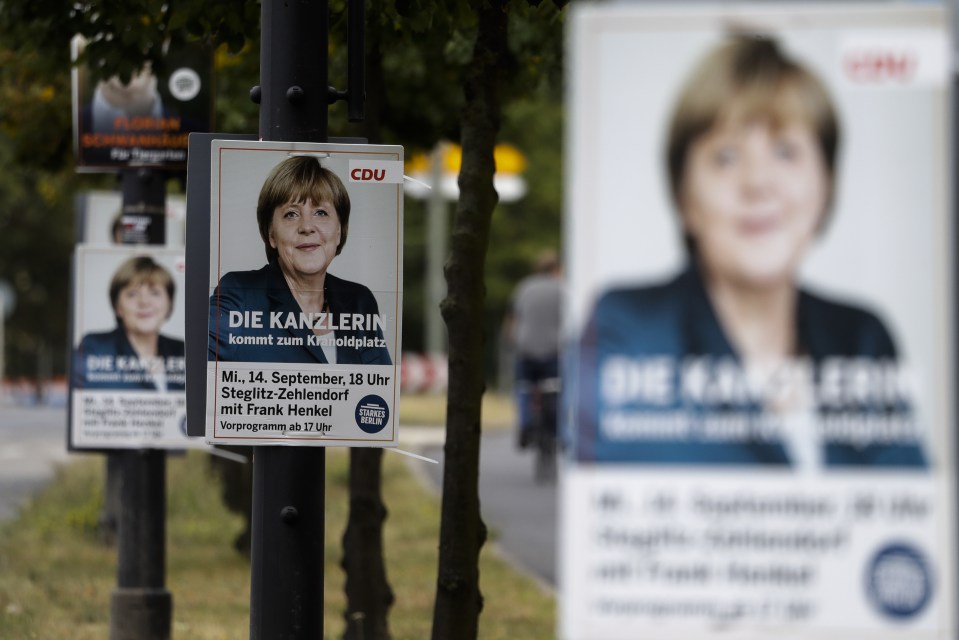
(761, 320)
(127, 366)
(100, 220)
(305, 294)
(144, 120)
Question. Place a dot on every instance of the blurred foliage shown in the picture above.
(37, 183)
(415, 56)
(123, 34)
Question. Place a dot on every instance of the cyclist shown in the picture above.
(534, 326)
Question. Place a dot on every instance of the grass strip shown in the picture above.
(430, 410)
(56, 577)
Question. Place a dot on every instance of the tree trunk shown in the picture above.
(368, 592)
(462, 531)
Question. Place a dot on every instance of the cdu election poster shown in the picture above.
(127, 375)
(760, 377)
(305, 294)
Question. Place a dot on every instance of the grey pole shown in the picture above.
(141, 607)
(436, 246)
(286, 590)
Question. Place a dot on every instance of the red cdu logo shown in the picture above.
(880, 65)
(376, 171)
(894, 59)
(358, 174)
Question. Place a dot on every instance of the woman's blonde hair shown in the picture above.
(748, 78)
(297, 179)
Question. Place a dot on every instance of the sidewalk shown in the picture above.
(33, 442)
(521, 511)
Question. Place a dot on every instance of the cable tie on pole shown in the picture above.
(229, 455)
(412, 455)
(422, 184)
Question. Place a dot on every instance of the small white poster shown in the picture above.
(128, 373)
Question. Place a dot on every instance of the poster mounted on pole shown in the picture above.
(761, 373)
(100, 221)
(127, 366)
(146, 119)
(305, 294)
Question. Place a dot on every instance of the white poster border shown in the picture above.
(592, 169)
(352, 396)
(128, 413)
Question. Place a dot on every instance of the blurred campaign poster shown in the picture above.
(101, 221)
(143, 120)
(761, 376)
(127, 367)
(306, 285)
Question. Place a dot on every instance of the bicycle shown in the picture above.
(543, 405)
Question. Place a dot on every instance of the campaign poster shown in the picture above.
(305, 294)
(101, 221)
(145, 120)
(127, 371)
(761, 374)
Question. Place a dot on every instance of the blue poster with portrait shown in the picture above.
(143, 120)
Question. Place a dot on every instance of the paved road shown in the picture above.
(520, 512)
(32, 442)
